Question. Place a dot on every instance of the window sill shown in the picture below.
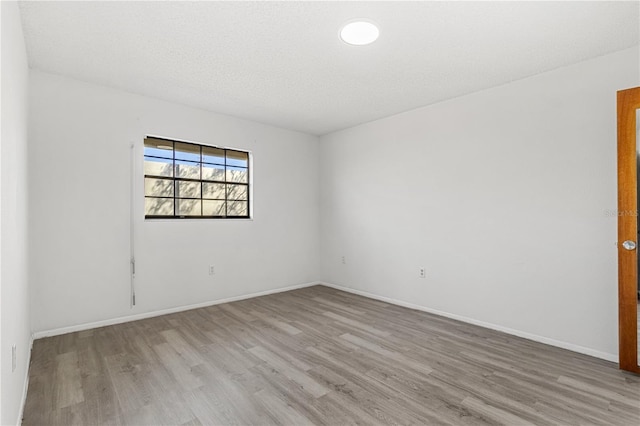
(204, 219)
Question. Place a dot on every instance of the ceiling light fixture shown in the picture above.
(359, 33)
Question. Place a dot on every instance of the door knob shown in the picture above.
(629, 245)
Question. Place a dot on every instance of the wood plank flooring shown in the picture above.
(318, 356)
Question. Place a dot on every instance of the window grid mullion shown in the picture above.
(225, 181)
(175, 199)
(201, 187)
(226, 195)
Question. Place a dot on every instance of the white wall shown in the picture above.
(500, 194)
(80, 136)
(14, 295)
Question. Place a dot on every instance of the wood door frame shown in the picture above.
(628, 103)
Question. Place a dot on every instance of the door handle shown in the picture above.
(629, 245)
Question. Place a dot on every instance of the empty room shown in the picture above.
(322, 213)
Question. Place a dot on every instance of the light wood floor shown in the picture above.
(318, 356)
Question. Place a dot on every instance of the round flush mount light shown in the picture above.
(359, 33)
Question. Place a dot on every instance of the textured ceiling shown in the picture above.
(283, 63)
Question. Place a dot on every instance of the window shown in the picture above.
(186, 180)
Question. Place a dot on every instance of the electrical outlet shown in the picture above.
(344, 260)
(13, 358)
(423, 272)
(212, 270)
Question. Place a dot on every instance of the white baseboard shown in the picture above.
(25, 387)
(128, 318)
(536, 338)
(523, 334)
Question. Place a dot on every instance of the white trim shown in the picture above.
(523, 334)
(128, 318)
(25, 387)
